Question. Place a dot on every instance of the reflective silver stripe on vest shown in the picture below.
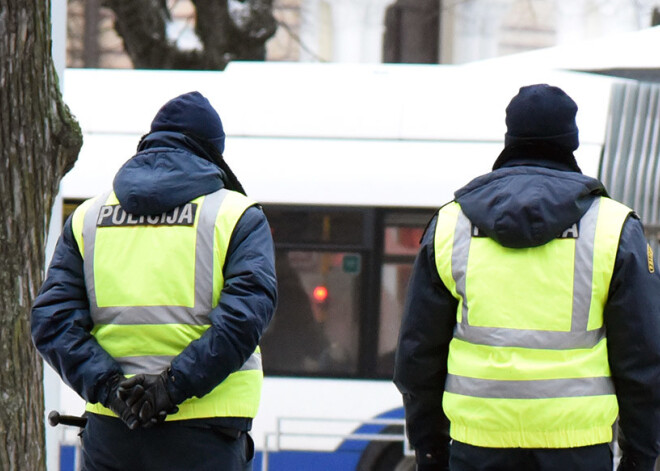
(89, 239)
(198, 315)
(578, 337)
(584, 268)
(538, 339)
(132, 315)
(459, 258)
(536, 389)
(144, 364)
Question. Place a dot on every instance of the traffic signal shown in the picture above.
(320, 294)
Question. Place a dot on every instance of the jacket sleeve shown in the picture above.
(632, 321)
(61, 325)
(421, 357)
(246, 306)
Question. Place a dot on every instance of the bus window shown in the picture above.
(401, 243)
(69, 206)
(313, 226)
(318, 255)
(316, 325)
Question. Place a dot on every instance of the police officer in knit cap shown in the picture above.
(533, 314)
(156, 299)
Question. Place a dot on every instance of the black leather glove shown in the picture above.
(118, 405)
(147, 398)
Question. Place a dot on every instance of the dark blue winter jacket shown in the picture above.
(169, 169)
(525, 206)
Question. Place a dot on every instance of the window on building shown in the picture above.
(412, 32)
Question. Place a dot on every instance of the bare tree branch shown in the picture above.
(227, 29)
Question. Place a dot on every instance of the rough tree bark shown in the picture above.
(227, 29)
(39, 142)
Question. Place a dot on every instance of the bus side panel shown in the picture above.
(312, 460)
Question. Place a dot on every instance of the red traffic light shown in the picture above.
(320, 294)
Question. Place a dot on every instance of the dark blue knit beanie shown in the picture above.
(542, 114)
(193, 113)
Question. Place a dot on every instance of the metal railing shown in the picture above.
(273, 440)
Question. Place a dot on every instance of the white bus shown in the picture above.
(350, 162)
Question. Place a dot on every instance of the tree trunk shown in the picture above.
(39, 143)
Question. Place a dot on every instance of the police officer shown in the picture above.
(533, 314)
(168, 280)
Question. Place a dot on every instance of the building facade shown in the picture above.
(374, 31)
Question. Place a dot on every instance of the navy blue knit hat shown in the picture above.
(193, 113)
(542, 114)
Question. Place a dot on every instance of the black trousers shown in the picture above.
(465, 457)
(108, 445)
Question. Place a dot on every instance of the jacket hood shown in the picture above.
(526, 206)
(167, 172)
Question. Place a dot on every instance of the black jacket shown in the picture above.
(525, 206)
(169, 170)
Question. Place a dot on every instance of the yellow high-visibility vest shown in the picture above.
(528, 362)
(151, 283)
